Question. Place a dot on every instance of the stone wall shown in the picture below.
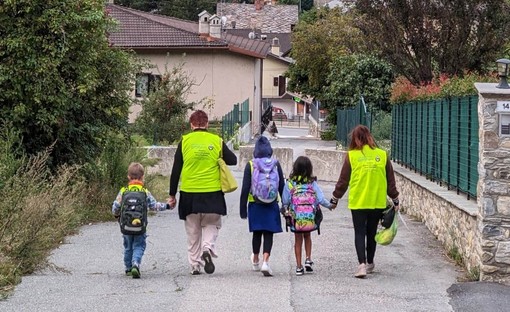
(451, 218)
(493, 184)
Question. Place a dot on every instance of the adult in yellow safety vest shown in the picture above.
(368, 173)
(201, 200)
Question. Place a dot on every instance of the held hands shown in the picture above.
(172, 202)
(334, 202)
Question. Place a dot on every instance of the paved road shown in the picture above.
(412, 274)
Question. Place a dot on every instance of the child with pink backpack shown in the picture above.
(301, 201)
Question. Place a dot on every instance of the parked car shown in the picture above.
(279, 114)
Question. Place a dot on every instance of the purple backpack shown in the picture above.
(264, 180)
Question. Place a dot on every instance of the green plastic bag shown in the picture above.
(385, 237)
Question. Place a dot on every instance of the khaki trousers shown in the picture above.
(202, 230)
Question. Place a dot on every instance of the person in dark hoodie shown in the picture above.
(263, 218)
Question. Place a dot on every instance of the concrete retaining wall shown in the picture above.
(326, 164)
(166, 155)
(283, 154)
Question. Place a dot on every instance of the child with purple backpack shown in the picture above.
(262, 186)
(301, 202)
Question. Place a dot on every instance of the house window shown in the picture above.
(146, 83)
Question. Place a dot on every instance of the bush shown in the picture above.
(381, 127)
(329, 134)
(443, 87)
(108, 174)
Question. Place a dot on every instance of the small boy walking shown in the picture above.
(301, 199)
(130, 208)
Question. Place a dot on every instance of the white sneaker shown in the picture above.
(266, 270)
(361, 272)
(255, 265)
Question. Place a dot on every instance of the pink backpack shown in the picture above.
(306, 216)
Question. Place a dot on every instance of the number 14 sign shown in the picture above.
(503, 106)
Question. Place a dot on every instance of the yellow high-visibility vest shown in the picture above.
(367, 186)
(200, 171)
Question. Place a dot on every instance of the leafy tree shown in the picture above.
(61, 82)
(420, 38)
(142, 5)
(187, 9)
(164, 110)
(319, 36)
(353, 75)
(184, 9)
(304, 5)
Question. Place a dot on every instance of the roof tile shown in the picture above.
(139, 29)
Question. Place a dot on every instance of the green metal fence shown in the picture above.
(347, 119)
(439, 139)
(239, 115)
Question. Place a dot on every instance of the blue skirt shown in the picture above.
(264, 217)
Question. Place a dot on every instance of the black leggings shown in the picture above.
(365, 225)
(257, 241)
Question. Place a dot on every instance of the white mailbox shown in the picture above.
(503, 109)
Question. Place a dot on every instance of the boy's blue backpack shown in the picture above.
(133, 211)
(264, 180)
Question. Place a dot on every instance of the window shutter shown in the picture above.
(281, 85)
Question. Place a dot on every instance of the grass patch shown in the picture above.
(454, 254)
(158, 185)
(473, 274)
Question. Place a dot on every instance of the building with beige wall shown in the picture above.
(227, 69)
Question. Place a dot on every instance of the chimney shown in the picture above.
(275, 46)
(233, 23)
(215, 26)
(203, 23)
(259, 5)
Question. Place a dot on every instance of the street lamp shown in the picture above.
(503, 67)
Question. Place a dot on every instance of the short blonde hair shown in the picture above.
(135, 171)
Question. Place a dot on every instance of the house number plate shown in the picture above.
(503, 106)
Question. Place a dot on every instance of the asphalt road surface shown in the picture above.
(411, 274)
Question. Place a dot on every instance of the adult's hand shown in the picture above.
(172, 202)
